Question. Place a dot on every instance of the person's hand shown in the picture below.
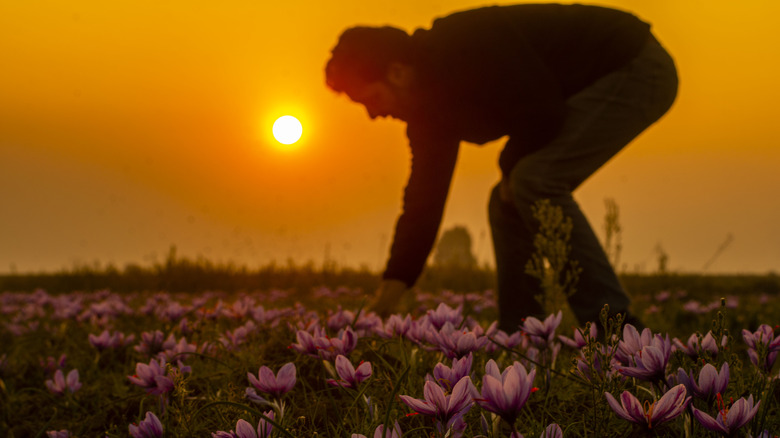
(389, 298)
(505, 190)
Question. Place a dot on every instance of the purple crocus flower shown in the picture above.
(668, 407)
(350, 377)
(456, 343)
(447, 377)
(506, 393)
(51, 364)
(251, 395)
(179, 350)
(277, 385)
(380, 432)
(232, 339)
(501, 338)
(542, 333)
(444, 314)
(422, 332)
(649, 364)
(643, 356)
(710, 382)
(728, 420)
(60, 383)
(552, 431)
(340, 319)
(150, 427)
(396, 326)
(633, 342)
(692, 348)
(263, 430)
(107, 340)
(58, 433)
(444, 408)
(307, 341)
(321, 346)
(583, 369)
(579, 340)
(368, 324)
(763, 338)
(154, 342)
(152, 377)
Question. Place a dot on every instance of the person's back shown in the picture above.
(507, 70)
(575, 43)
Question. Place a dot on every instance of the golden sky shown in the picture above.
(130, 126)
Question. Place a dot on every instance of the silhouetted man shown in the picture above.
(570, 85)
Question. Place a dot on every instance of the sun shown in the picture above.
(287, 130)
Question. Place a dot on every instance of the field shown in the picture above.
(155, 354)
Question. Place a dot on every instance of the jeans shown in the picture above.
(600, 121)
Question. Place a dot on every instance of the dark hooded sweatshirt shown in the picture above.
(490, 72)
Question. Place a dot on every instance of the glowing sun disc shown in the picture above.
(287, 130)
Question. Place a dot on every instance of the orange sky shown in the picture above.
(130, 126)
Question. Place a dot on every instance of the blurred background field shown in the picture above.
(664, 300)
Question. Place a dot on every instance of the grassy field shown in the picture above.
(180, 339)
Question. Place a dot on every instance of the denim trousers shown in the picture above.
(600, 120)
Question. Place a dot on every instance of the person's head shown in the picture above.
(372, 65)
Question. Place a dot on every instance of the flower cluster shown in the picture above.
(153, 377)
(59, 384)
(456, 370)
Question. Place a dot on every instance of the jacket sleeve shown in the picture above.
(433, 161)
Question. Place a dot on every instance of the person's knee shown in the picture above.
(531, 182)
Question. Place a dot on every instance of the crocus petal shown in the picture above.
(245, 430)
(59, 380)
(493, 395)
(253, 380)
(670, 405)
(722, 379)
(513, 389)
(144, 372)
(266, 379)
(344, 368)
(466, 342)
(741, 412)
(460, 397)
(73, 380)
(526, 382)
(418, 406)
(709, 422)
(154, 426)
(363, 371)
(617, 408)
(707, 378)
(632, 407)
(492, 369)
(285, 378)
(435, 396)
(552, 431)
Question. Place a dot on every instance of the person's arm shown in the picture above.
(433, 162)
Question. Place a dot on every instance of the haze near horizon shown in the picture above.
(128, 127)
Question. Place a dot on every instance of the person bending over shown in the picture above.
(570, 85)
